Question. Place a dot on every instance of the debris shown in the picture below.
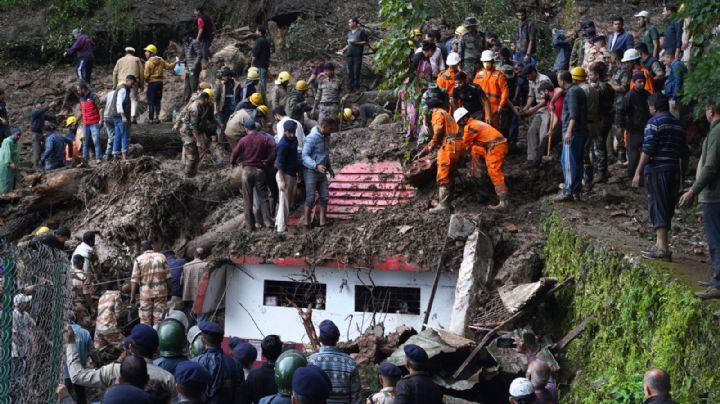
(517, 297)
(574, 333)
(404, 229)
(437, 344)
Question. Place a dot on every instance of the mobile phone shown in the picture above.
(505, 343)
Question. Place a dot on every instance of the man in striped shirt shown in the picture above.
(339, 366)
(663, 161)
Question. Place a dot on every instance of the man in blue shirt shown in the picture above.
(39, 114)
(575, 133)
(176, 269)
(674, 81)
(663, 162)
(83, 342)
(227, 385)
(672, 39)
(620, 39)
(287, 164)
(316, 161)
(563, 48)
(54, 155)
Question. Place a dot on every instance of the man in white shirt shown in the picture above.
(281, 118)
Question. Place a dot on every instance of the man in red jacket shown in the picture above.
(90, 112)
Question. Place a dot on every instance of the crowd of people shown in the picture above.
(613, 98)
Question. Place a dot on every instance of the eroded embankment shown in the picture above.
(643, 317)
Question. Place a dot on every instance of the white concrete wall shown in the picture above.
(247, 288)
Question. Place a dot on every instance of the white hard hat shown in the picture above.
(521, 387)
(487, 56)
(630, 55)
(459, 114)
(453, 59)
(643, 14)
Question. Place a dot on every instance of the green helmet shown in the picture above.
(285, 365)
(171, 333)
(196, 346)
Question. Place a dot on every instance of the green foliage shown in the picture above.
(643, 318)
(397, 19)
(4, 4)
(703, 79)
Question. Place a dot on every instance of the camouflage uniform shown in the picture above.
(107, 332)
(471, 46)
(328, 97)
(195, 119)
(151, 272)
(384, 396)
(80, 287)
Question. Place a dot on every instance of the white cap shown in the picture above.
(459, 114)
(21, 298)
(643, 14)
(453, 59)
(487, 56)
(630, 55)
(129, 49)
(521, 387)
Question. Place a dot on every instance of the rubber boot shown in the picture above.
(443, 201)
(503, 202)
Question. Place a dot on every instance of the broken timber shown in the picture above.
(492, 332)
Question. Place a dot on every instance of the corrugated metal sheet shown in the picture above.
(371, 186)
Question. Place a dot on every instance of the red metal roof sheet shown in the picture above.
(370, 186)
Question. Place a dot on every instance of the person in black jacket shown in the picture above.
(634, 115)
(261, 57)
(656, 386)
(261, 381)
(418, 386)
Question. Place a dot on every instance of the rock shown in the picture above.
(475, 271)
(523, 266)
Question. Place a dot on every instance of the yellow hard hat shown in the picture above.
(209, 92)
(204, 85)
(256, 99)
(70, 121)
(347, 114)
(578, 73)
(283, 77)
(263, 109)
(415, 32)
(41, 230)
(151, 48)
(301, 85)
(460, 30)
(253, 75)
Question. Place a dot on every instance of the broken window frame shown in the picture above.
(388, 299)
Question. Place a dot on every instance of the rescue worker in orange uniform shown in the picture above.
(485, 143)
(632, 56)
(446, 78)
(495, 86)
(446, 135)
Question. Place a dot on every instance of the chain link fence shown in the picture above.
(34, 308)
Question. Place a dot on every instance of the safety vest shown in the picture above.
(90, 113)
(494, 84)
(649, 85)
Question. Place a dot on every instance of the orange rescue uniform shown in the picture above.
(445, 134)
(487, 144)
(649, 85)
(495, 86)
(446, 80)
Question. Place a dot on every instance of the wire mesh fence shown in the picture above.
(35, 306)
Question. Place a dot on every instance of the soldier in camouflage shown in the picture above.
(107, 332)
(152, 273)
(195, 120)
(329, 99)
(471, 46)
